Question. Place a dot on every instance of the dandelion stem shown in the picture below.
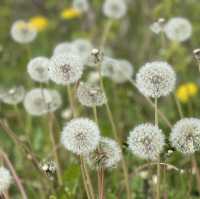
(180, 111)
(71, 101)
(194, 164)
(158, 161)
(94, 108)
(86, 179)
(161, 114)
(55, 152)
(14, 174)
(100, 173)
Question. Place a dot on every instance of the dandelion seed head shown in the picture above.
(5, 179)
(196, 53)
(66, 114)
(65, 68)
(80, 136)
(178, 29)
(81, 5)
(107, 155)
(38, 69)
(118, 70)
(38, 101)
(90, 96)
(185, 135)
(23, 32)
(14, 95)
(158, 26)
(156, 79)
(83, 47)
(64, 48)
(115, 9)
(146, 141)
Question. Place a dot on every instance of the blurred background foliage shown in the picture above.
(129, 38)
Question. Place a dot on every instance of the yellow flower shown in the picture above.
(39, 22)
(70, 13)
(185, 91)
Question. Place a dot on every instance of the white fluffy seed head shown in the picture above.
(90, 96)
(5, 179)
(115, 9)
(185, 135)
(118, 70)
(38, 69)
(65, 68)
(156, 79)
(83, 47)
(64, 48)
(178, 29)
(107, 155)
(146, 141)
(80, 136)
(81, 5)
(14, 95)
(38, 101)
(23, 32)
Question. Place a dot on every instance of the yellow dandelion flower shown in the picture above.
(186, 91)
(40, 23)
(70, 13)
(192, 88)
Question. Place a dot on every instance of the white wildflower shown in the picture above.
(115, 9)
(156, 79)
(65, 68)
(90, 96)
(23, 32)
(38, 69)
(81, 136)
(178, 29)
(185, 135)
(146, 141)
(107, 155)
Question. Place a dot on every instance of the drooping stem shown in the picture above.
(14, 174)
(158, 161)
(54, 146)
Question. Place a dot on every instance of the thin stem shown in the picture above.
(194, 164)
(161, 114)
(55, 151)
(84, 178)
(158, 161)
(71, 101)
(180, 111)
(14, 174)
(94, 108)
(101, 182)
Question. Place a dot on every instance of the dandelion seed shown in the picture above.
(65, 68)
(119, 71)
(67, 114)
(90, 96)
(185, 135)
(49, 167)
(146, 141)
(95, 57)
(23, 32)
(107, 155)
(38, 69)
(14, 95)
(81, 5)
(5, 179)
(178, 29)
(115, 9)
(81, 136)
(196, 53)
(156, 79)
(38, 101)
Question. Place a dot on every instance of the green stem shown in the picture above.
(71, 101)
